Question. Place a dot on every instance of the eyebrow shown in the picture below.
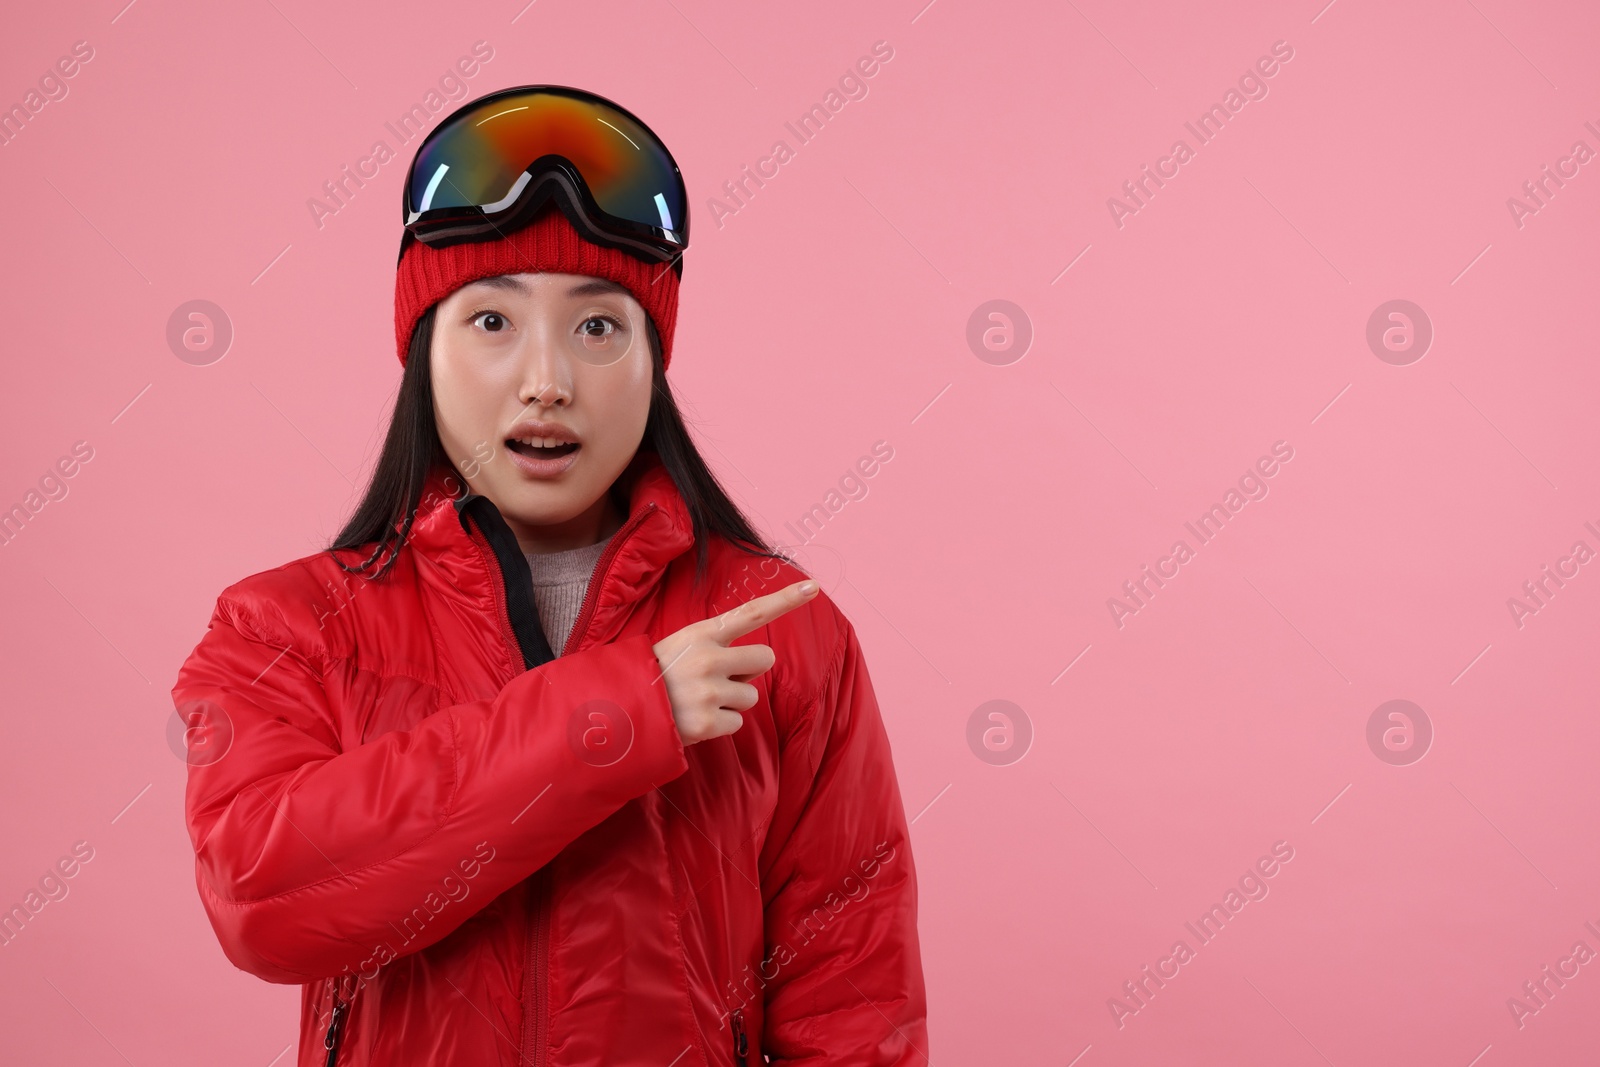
(592, 287)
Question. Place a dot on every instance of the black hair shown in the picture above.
(411, 451)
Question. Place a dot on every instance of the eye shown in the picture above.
(600, 326)
(493, 321)
(602, 338)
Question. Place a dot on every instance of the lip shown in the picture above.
(542, 468)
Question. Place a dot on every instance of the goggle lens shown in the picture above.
(479, 159)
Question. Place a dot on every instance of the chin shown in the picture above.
(563, 497)
(544, 507)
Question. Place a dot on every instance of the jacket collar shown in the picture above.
(658, 529)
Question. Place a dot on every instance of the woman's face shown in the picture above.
(525, 360)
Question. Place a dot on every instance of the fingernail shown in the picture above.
(807, 588)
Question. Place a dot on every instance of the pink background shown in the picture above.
(832, 311)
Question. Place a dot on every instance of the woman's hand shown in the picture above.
(706, 676)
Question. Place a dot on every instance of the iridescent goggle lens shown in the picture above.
(474, 167)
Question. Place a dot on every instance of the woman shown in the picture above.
(678, 841)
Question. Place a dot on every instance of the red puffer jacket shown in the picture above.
(468, 852)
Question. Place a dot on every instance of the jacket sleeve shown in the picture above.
(840, 890)
(311, 859)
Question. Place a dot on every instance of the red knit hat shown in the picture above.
(549, 243)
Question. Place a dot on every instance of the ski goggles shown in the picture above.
(488, 168)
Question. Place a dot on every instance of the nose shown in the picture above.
(546, 369)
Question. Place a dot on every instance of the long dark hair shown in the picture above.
(411, 451)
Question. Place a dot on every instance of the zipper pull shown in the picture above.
(335, 1030)
(741, 1044)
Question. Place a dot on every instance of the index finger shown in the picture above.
(756, 613)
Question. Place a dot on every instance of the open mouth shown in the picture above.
(554, 450)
